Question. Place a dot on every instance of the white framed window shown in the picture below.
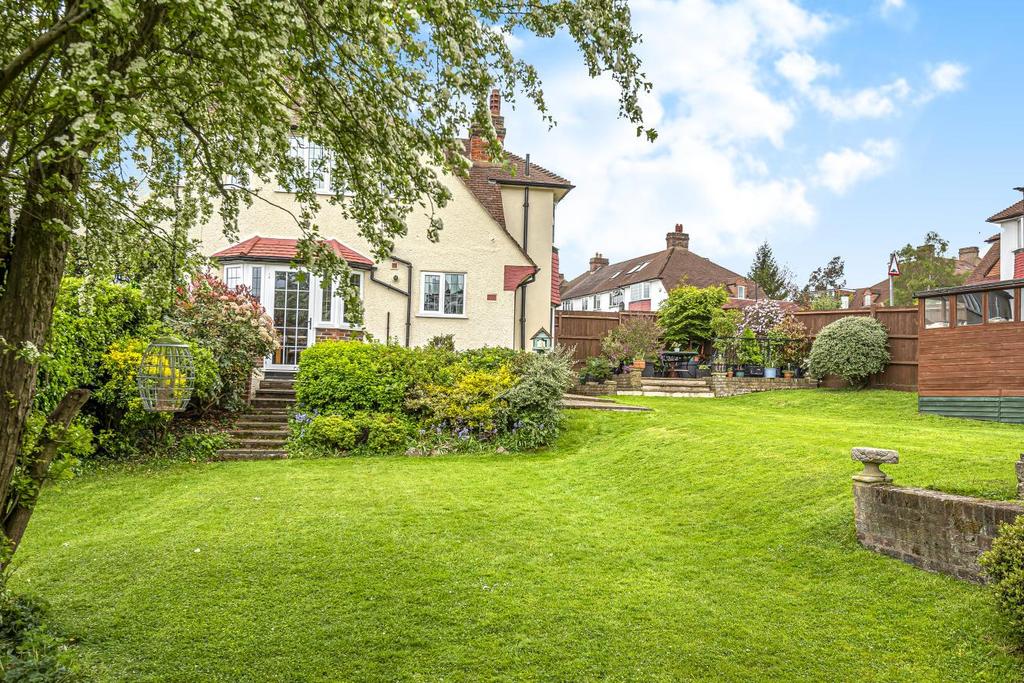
(586, 303)
(741, 292)
(597, 302)
(256, 281)
(232, 276)
(332, 310)
(443, 294)
(844, 301)
(640, 291)
(316, 163)
(867, 299)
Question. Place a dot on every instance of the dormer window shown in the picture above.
(741, 292)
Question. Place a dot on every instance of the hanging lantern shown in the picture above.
(166, 375)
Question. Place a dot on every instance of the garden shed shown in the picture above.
(971, 351)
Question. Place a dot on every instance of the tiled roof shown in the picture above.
(485, 178)
(987, 269)
(283, 249)
(516, 275)
(1009, 212)
(879, 294)
(672, 266)
(556, 297)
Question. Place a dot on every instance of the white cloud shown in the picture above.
(890, 7)
(842, 169)
(803, 70)
(947, 77)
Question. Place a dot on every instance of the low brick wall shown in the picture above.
(734, 386)
(936, 531)
(594, 389)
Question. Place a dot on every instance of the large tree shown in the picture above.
(122, 120)
(926, 266)
(775, 281)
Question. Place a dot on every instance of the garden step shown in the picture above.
(249, 454)
(259, 444)
(275, 393)
(261, 421)
(259, 431)
(277, 384)
(669, 394)
(675, 381)
(576, 404)
(278, 374)
(271, 403)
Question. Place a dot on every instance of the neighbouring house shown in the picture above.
(967, 261)
(971, 338)
(491, 279)
(642, 283)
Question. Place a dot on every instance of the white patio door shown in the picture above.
(291, 315)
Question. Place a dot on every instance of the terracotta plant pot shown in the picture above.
(787, 374)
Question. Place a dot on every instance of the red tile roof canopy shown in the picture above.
(517, 275)
(283, 249)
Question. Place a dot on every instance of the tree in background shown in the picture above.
(924, 267)
(687, 314)
(124, 121)
(775, 281)
(821, 285)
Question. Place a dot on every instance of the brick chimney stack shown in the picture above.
(678, 238)
(477, 144)
(970, 255)
(597, 261)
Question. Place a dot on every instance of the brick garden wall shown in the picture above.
(936, 531)
(734, 386)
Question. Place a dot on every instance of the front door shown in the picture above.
(291, 317)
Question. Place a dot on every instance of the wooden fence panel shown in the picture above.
(584, 330)
(902, 324)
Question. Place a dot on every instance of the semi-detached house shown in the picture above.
(491, 279)
(642, 283)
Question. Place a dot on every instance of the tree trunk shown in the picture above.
(41, 241)
(21, 506)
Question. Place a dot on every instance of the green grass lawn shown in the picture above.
(710, 539)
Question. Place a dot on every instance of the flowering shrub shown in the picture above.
(762, 316)
(232, 325)
(636, 338)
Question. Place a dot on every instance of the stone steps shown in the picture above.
(263, 433)
(669, 394)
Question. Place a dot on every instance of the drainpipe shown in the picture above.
(407, 293)
(526, 250)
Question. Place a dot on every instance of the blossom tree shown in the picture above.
(128, 122)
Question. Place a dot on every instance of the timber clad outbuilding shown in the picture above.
(970, 360)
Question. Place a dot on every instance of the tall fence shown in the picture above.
(585, 329)
(902, 324)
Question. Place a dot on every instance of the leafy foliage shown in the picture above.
(763, 316)
(825, 279)
(775, 281)
(853, 348)
(1004, 566)
(595, 369)
(232, 325)
(824, 302)
(687, 314)
(923, 267)
(345, 377)
(790, 342)
(31, 649)
(636, 338)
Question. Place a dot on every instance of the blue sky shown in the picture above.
(828, 128)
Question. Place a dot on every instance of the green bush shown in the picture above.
(369, 433)
(345, 377)
(470, 402)
(853, 348)
(636, 338)
(30, 648)
(1004, 566)
(687, 314)
(596, 369)
(533, 413)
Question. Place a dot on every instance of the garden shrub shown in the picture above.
(687, 313)
(233, 326)
(532, 413)
(595, 369)
(371, 433)
(1003, 564)
(332, 433)
(344, 377)
(383, 432)
(853, 348)
(636, 338)
(487, 357)
(470, 403)
(31, 649)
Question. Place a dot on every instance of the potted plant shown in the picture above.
(749, 352)
(703, 370)
(793, 345)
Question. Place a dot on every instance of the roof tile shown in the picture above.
(283, 249)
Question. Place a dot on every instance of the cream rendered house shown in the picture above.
(492, 279)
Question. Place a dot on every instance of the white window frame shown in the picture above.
(302, 148)
(741, 292)
(337, 313)
(597, 302)
(439, 313)
(232, 273)
(585, 303)
(644, 288)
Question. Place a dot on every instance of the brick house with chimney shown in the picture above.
(642, 283)
(491, 278)
(966, 262)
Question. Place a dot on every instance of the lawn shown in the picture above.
(710, 539)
